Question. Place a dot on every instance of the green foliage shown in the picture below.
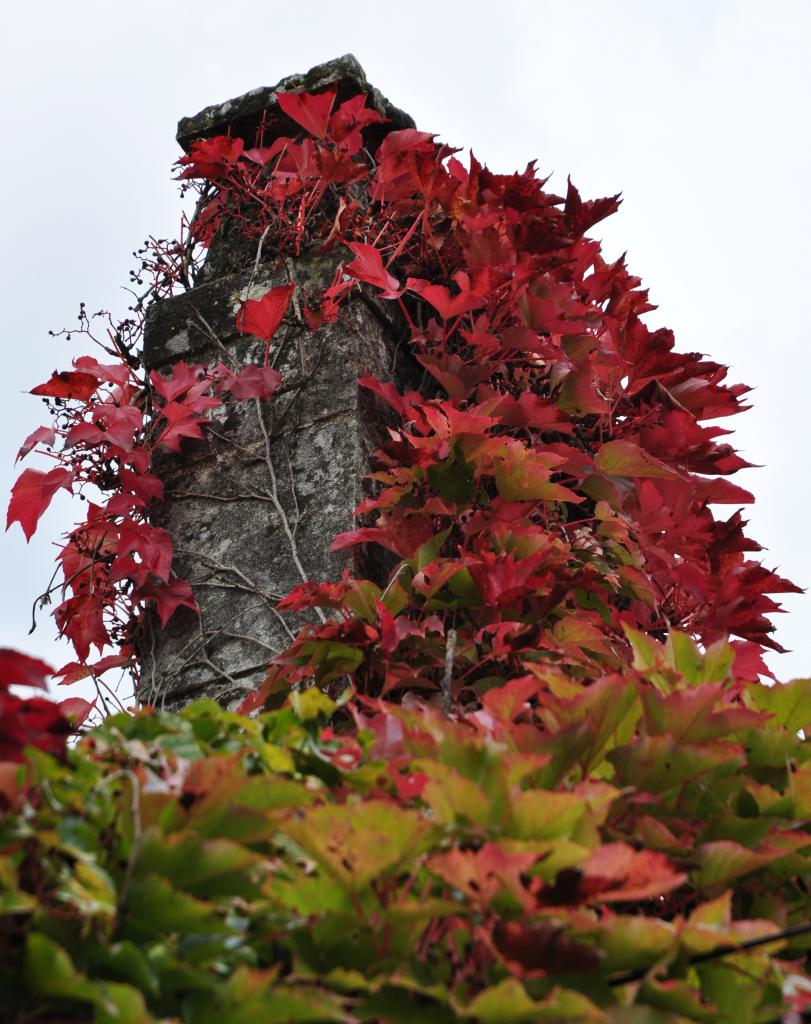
(212, 866)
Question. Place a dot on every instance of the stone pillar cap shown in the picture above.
(240, 115)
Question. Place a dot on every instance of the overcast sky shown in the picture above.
(697, 111)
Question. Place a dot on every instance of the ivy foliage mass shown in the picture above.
(537, 773)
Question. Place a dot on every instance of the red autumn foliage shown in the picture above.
(33, 721)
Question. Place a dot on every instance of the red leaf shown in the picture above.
(345, 124)
(84, 433)
(508, 701)
(74, 670)
(368, 267)
(254, 382)
(76, 709)
(315, 595)
(151, 543)
(261, 317)
(310, 110)
(535, 947)
(31, 723)
(119, 424)
(618, 873)
(181, 423)
(404, 141)
(143, 485)
(211, 158)
(168, 597)
(183, 377)
(18, 669)
(44, 435)
(32, 494)
(81, 620)
(68, 384)
(448, 306)
(114, 373)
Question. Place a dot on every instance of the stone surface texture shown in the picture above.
(253, 507)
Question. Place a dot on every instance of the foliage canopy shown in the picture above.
(527, 777)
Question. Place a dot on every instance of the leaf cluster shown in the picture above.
(215, 866)
(525, 777)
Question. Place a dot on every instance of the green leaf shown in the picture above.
(737, 984)
(395, 1005)
(253, 996)
(331, 659)
(429, 551)
(678, 997)
(90, 890)
(522, 474)
(541, 814)
(77, 834)
(125, 961)
(657, 764)
(508, 1003)
(156, 907)
(122, 1005)
(451, 796)
(49, 971)
(312, 703)
(359, 842)
(203, 867)
(624, 458)
(723, 860)
(629, 942)
(790, 703)
(454, 478)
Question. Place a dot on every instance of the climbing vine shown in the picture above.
(535, 773)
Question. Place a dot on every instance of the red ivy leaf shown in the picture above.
(32, 494)
(310, 110)
(181, 423)
(345, 124)
(74, 670)
(152, 544)
(261, 317)
(534, 947)
(168, 597)
(183, 377)
(254, 382)
(144, 486)
(76, 709)
(44, 435)
(68, 384)
(81, 620)
(211, 158)
(114, 373)
(448, 306)
(18, 669)
(368, 267)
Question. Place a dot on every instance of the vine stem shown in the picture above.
(721, 951)
(447, 676)
(273, 494)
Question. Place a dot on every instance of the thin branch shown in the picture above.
(450, 653)
(274, 496)
(721, 951)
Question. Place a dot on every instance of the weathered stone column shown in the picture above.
(255, 505)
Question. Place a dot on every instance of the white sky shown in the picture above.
(697, 111)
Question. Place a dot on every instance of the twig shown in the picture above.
(273, 494)
(720, 951)
(450, 652)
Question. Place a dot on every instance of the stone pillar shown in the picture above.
(255, 505)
